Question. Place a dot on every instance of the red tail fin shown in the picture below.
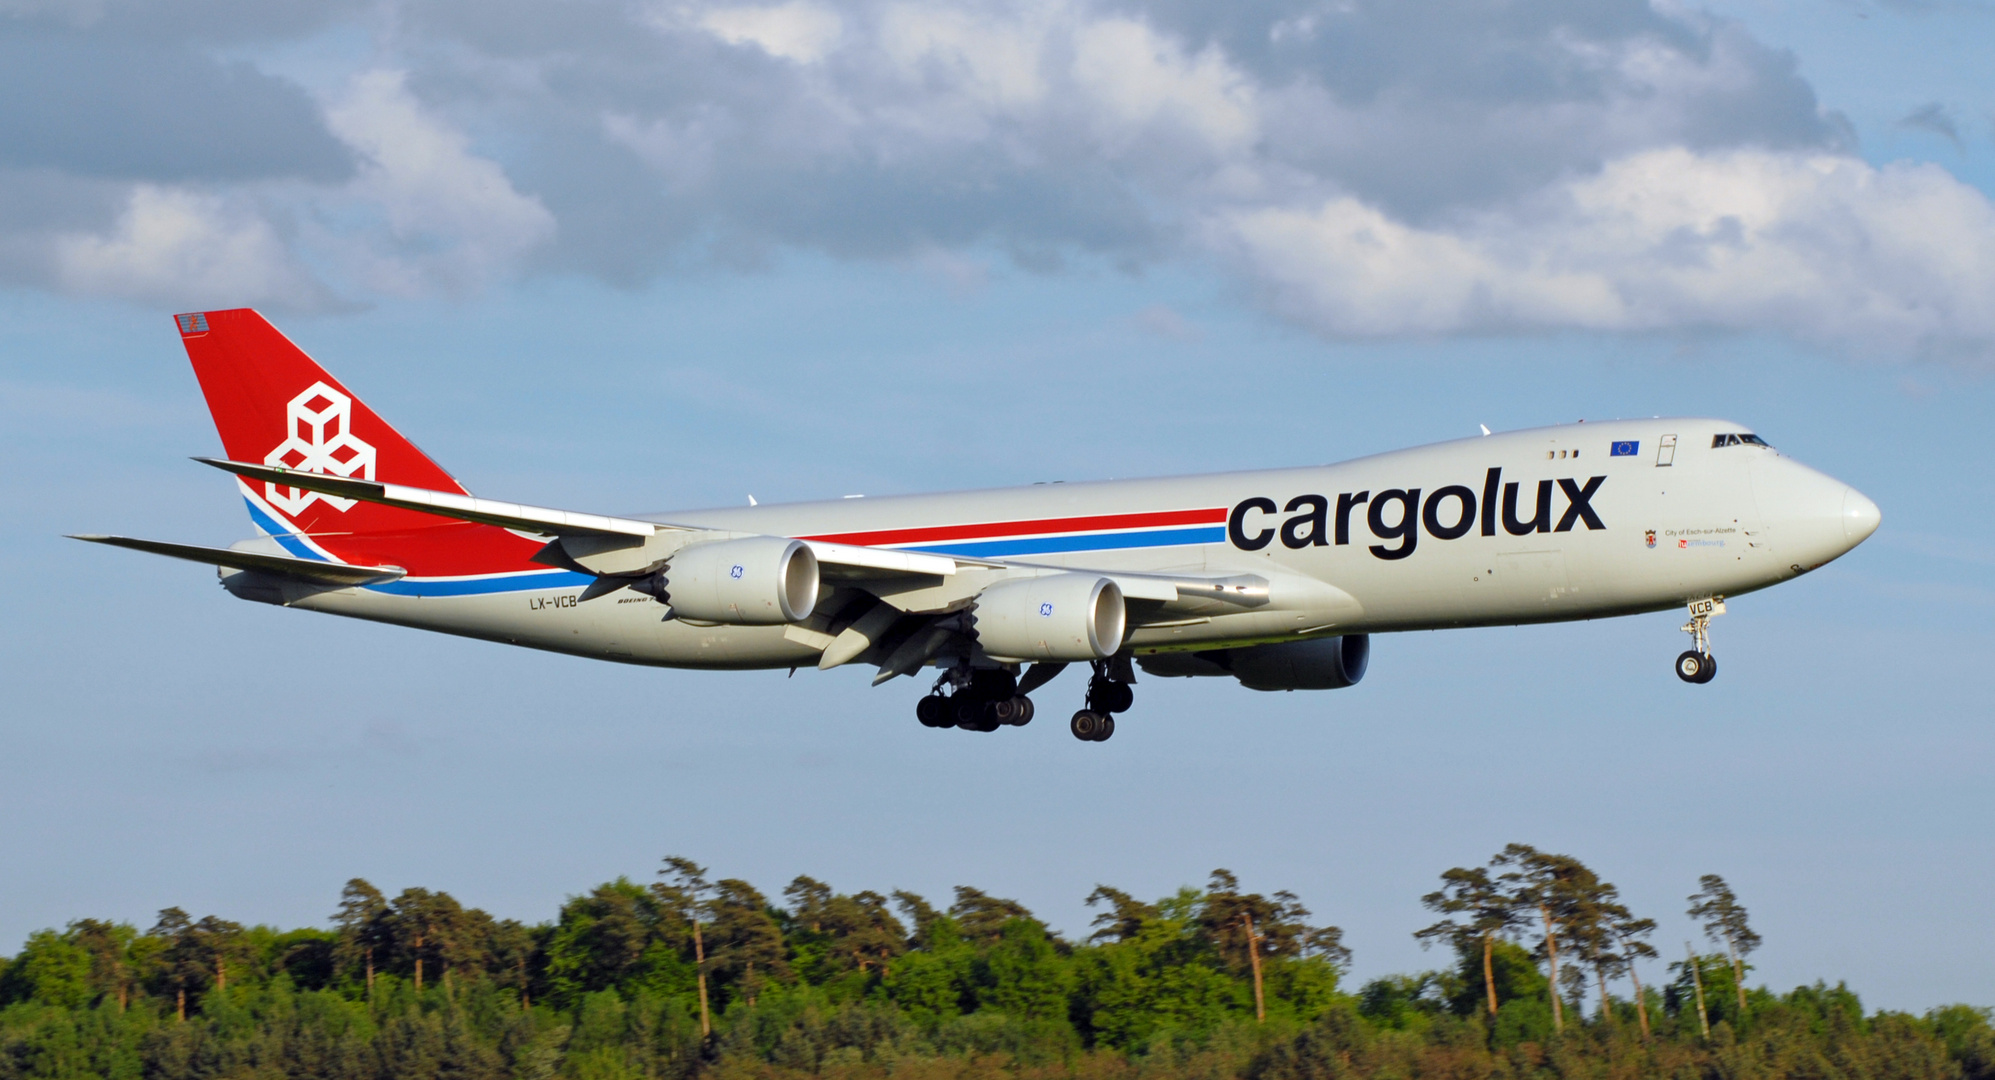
(274, 405)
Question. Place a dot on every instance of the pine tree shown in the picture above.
(1724, 920)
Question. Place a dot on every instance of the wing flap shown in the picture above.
(310, 570)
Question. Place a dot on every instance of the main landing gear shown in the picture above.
(979, 701)
(1698, 665)
(1106, 697)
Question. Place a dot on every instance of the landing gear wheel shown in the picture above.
(1106, 729)
(972, 713)
(1087, 725)
(1110, 695)
(933, 711)
(1013, 711)
(1696, 667)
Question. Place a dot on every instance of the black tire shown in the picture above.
(1691, 666)
(1025, 711)
(1005, 712)
(1085, 724)
(967, 712)
(932, 711)
(1106, 730)
(1115, 697)
(1710, 669)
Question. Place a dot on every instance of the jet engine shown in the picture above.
(1319, 664)
(757, 581)
(1057, 617)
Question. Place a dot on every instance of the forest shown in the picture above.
(1541, 971)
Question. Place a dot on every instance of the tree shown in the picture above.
(685, 892)
(1125, 918)
(195, 952)
(360, 921)
(1724, 920)
(841, 933)
(921, 913)
(425, 929)
(746, 938)
(1592, 908)
(1549, 885)
(1488, 912)
(1255, 927)
(1695, 967)
(514, 948)
(109, 947)
(1628, 933)
(982, 916)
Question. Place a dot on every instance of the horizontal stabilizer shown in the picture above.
(312, 570)
(533, 519)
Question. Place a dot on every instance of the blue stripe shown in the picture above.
(1046, 545)
(530, 581)
(284, 537)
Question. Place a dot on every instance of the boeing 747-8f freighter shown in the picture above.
(1276, 578)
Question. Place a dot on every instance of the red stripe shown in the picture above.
(994, 529)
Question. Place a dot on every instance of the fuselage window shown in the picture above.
(1754, 440)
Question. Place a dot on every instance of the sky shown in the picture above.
(636, 257)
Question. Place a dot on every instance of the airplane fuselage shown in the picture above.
(1573, 522)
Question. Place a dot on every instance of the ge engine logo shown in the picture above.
(734, 572)
(1046, 611)
(319, 438)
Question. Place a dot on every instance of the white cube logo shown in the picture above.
(319, 438)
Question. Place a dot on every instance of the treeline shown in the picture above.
(684, 976)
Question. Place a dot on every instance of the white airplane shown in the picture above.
(1275, 578)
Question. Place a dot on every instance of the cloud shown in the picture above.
(172, 246)
(452, 218)
(1824, 247)
(153, 111)
(798, 31)
(1368, 167)
(1935, 118)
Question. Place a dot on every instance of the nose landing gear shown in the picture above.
(1698, 665)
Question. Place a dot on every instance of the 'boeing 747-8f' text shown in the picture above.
(1276, 578)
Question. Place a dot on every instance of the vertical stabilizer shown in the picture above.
(275, 405)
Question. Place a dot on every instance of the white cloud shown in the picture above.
(1373, 167)
(1137, 77)
(1897, 260)
(798, 30)
(185, 248)
(454, 218)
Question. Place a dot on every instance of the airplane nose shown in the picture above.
(1860, 517)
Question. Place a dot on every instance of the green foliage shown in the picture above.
(51, 970)
(861, 987)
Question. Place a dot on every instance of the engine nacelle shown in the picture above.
(1320, 664)
(1057, 617)
(757, 581)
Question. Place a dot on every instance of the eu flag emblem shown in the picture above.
(1624, 449)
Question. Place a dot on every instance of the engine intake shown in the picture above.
(1057, 617)
(1320, 664)
(757, 581)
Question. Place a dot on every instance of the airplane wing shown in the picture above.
(312, 571)
(602, 534)
(506, 515)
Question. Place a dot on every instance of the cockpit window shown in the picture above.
(1738, 439)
